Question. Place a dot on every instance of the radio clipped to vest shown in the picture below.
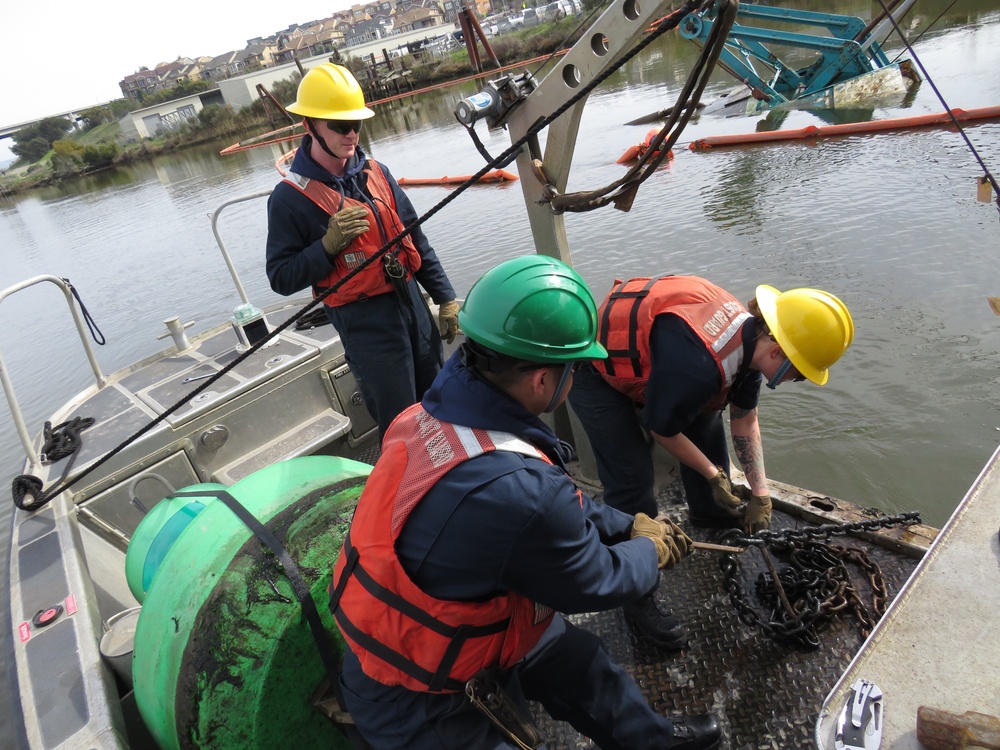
(395, 273)
(486, 692)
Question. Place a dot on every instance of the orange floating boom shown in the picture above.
(823, 131)
(632, 153)
(497, 175)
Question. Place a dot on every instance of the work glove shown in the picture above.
(345, 225)
(758, 514)
(722, 493)
(672, 544)
(741, 491)
(448, 320)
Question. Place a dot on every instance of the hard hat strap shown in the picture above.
(319, 139)
(780, 374)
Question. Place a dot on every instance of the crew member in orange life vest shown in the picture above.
(470, 519)
(334, 210)
(681, 349)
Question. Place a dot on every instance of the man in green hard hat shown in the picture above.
(470, 538)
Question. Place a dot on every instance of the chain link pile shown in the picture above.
(815, 581)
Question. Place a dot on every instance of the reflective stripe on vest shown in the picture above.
(372, 280)
(401, 635)
(625, 322)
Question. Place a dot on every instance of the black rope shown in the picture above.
(954, 120)
(313, 319)
(622, 191)
(95, 332)
(62, 441)
(322, 294)
(927, 28)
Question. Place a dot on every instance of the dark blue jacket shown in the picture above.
(296, 258)
(506, 522)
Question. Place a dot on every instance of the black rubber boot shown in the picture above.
(661, 629)
(695, 733)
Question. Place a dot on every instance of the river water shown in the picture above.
(888, 222)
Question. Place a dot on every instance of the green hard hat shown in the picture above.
(534, 308)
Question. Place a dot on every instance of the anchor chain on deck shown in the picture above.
(815, 584)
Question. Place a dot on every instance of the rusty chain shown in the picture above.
(815, 580)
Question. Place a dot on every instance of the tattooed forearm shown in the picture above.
(750, 454)
(737, 413)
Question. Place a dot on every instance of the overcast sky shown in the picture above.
(64, 55)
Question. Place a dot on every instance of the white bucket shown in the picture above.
(117, 643)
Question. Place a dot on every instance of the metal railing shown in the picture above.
(8, 386)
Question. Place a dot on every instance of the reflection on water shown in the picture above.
(887, 221)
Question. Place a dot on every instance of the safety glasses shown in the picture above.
(574, 366)
(786, 369)
(343, 127)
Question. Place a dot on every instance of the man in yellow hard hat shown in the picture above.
(681, 349)
(333, 212)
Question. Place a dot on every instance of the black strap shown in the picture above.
(95, 332)
(299, 586)
(632, 351)
(439, 679)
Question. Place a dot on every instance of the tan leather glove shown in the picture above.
(672, 544)
(758, 514)
(684, 544)
(722, 493)
(345, 225)
(741, 491)
(448, 320)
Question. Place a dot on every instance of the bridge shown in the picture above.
(72, 115)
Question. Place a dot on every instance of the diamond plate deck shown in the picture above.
(765, 695)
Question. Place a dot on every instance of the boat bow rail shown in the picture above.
(33, 457)
(203, 410)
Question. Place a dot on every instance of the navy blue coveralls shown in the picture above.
(683, 379)
(392, 344)
(507, 522)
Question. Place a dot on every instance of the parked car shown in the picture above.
(525, 19)
(494, 25)
(551, 12)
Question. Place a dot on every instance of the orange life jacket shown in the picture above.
(401, 635)
(371, 281)
(625, 321)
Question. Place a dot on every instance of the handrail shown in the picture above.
(5, 381)
(8, 386)
(222, 245)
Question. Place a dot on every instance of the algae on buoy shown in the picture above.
(223, 655)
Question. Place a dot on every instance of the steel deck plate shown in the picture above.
(766, 695)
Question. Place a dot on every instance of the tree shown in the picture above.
(68, 159)
(95, 116)
(54, 128)
(30, 150)
(33, 141)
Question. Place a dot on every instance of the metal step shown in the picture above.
(302, 440)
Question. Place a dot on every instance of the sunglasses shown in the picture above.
(343, 127)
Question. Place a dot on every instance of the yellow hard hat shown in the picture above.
(330, 92)
(812, 327)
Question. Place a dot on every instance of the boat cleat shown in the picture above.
(860, 724)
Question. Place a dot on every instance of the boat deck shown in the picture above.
(937, 646)
(766, 695)
(217, 434)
